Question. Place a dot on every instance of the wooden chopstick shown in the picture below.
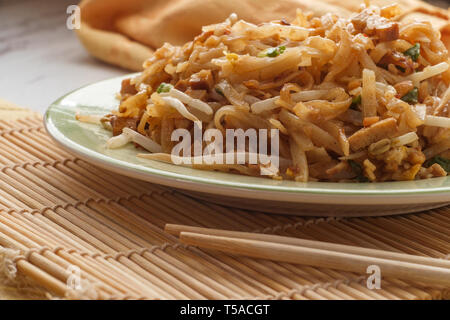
(376, 253)
(318, 257)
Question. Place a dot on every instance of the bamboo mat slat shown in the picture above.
(59, 214)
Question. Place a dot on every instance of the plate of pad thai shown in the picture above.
(338, 116)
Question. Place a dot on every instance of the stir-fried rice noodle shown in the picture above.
(359, 99)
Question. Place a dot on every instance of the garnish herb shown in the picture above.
(272, 52)
(358, 170)
(412, 96)
(164, 87)
(219, 92)
(413, 52)
(355, 102)
(443, 162)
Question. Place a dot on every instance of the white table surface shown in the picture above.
(40, 59)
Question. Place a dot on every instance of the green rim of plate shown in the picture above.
(88, 140)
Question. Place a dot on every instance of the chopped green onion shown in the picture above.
(443, 162)
(272, 52)
(355, 102)
(357, 169)
(164, 87)
(219, 92)
(413, 52)
(412, 96)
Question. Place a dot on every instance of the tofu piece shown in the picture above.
(362, 138)
(202, 80)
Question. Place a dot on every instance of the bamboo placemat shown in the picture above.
(60, 215)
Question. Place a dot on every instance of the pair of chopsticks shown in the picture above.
(316, 253)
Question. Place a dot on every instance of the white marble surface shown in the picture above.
(40, 59)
